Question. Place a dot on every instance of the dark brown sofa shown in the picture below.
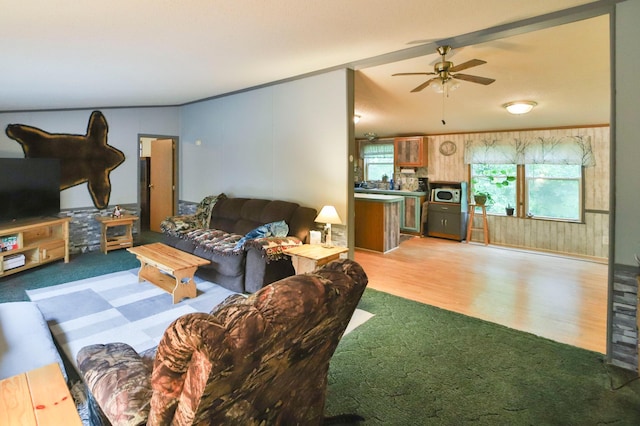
(257, 262)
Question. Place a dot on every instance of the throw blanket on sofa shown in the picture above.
(178, 225)
(273, 247)
(226, 244)
(215, 240)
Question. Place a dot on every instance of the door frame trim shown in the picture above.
(176, 162)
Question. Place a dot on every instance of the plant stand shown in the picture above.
(485, 224)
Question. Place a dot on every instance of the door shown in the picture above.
(161, 182)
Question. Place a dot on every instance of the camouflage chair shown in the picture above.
(256, 360)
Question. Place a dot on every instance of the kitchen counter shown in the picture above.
(377, 221)
(410, 209)
(389, 192)
(381, 198)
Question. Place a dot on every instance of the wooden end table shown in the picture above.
(168, 268)
(117, 242)
(37, 397)
(309, 257)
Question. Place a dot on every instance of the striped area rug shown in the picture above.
(117, 308)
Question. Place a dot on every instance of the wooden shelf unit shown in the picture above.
(39, 240)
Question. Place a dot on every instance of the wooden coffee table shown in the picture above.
(168, 268)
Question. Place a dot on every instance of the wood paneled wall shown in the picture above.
(590, 238)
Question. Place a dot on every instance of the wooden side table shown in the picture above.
(37, 397)
(120, 241)
(309, 257)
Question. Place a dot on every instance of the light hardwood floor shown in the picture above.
(560, 298)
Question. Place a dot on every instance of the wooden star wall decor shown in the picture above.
(83, 158)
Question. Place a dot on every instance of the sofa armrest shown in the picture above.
(115, 374)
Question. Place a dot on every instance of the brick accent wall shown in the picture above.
(84, 230)
(624, 336)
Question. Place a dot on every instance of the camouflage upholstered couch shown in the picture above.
(238, 236)
(260, 359)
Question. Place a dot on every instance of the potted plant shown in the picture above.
(509, 209)
(482, 198)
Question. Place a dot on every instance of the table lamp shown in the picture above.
(328, 215)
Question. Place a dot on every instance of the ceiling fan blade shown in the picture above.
(413, 73)
(468, 64)
(423, 85)
(473, 78)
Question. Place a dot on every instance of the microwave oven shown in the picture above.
(445, 195)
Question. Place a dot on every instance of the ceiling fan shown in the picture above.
(444, 69)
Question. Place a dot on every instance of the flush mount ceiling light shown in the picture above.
(519, 107)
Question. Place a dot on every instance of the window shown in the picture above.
(542, 175)
(554, 191)
(378, 161)
(498, 181)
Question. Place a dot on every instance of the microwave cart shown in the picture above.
(447, 210)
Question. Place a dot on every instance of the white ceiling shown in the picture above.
(565, 69)
(64, 54)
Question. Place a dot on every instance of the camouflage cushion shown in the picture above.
(260, 359)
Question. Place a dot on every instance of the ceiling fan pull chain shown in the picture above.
(443, 122)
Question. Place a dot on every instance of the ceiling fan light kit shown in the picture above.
(444, 86)
(519, 107)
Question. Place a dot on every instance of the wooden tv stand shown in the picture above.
(40, 241)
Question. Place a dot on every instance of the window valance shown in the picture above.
(377, 150)
(576, 150)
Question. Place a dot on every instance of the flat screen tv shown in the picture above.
(29, 188)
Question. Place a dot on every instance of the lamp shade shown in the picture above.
(328, 214)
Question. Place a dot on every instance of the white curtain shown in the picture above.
(576, 150)
(371, 150)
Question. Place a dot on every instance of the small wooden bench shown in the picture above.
(168, 268)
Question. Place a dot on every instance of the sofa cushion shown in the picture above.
(25, 340)
(277, 210)
(226, 214)
(300, 222)
(229, 265)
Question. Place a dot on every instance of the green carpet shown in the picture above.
(413, 364)
(80, 266)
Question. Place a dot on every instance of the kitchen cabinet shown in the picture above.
(410, 151)
(411, 213)
(448, 220)
(410, 208)
(377, 221)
